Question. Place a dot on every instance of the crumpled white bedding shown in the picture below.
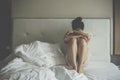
(19, 70)
(41, 54)
(44, 61)
(38, 61)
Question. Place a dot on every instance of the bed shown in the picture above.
(39, 51)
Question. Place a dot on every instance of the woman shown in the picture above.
(77, 45)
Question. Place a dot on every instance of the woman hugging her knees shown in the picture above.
(77, 45)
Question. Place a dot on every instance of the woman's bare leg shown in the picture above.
(82, 54)
(72, 52)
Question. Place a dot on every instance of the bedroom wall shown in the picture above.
(62, 9)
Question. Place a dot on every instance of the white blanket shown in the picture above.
(43, 61)
(42, 54)
(38, 61)
(19, 70)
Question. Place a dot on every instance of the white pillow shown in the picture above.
(41, 53)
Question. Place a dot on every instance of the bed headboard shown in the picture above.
(53, 30)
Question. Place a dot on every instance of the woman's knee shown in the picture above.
(82, 42)
(73, 40)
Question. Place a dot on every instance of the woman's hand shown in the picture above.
(82, 34)
(67, 37)
(86, 37)
(76, 34)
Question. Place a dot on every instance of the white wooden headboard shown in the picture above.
(53, 30)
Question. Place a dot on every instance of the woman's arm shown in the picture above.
(82, 34)
(67, 37)
(71, 34)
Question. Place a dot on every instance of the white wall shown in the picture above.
(62, 8)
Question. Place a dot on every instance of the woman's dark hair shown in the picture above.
(77, 23)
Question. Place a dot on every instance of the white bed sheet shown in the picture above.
(35, 63)
(98, 70)
(19, 70)
(38, 61)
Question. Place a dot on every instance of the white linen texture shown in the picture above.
(39, 61)
(45, 61)
(42, 54)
